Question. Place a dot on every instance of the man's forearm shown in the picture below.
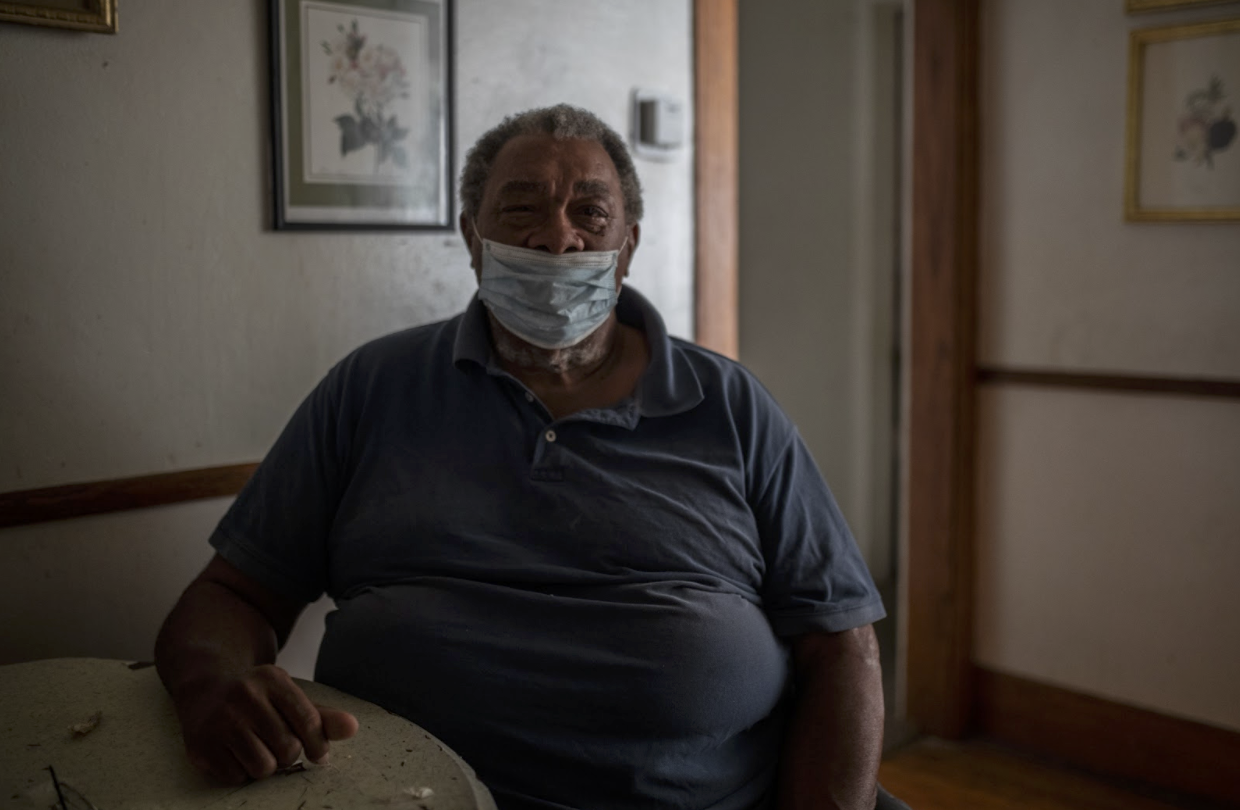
(211, 632)
(835, 739)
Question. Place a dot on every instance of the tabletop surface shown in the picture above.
(133, 757)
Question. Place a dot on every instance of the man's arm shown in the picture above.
(835, 740)
(241, 716)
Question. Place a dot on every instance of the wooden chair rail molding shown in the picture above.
(1147, 384)
(1109, 738)
(119, 494)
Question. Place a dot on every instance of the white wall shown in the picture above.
(1107, 523)
(817, 238)
(1107, 551)
(149, 320)
(1066, 283)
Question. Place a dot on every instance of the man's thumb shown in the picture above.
(337, 724)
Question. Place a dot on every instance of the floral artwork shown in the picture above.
(362, 111)
(372, 76)
(1206, 126)
(1182, 161)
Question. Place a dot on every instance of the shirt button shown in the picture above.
(549, 435)
(529, 397)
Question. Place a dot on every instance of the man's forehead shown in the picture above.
(532, 163)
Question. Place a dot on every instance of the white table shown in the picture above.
(134, 757)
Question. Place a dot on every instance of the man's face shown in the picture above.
(554, 195)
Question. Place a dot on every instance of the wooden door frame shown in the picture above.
(716, 171)
(937, 569)
(938, 564)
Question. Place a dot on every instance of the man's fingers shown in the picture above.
(337, 724)
(252, 725)
(253, 755)
(274, 733)
(302, 719)
(224, 767)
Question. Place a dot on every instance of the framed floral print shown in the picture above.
(83, 15)
(362, 114)
(1183, 153)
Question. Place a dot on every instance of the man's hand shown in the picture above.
(241, 716)
(247, 727)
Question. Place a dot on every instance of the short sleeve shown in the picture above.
(816, 578)
(276, 530)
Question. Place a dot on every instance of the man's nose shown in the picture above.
(557, 235)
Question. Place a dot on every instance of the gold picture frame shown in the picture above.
(1182, 160)
(81, 15)
(1140, 6)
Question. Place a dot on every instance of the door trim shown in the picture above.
(938, 569)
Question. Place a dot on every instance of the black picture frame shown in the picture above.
(362, 115)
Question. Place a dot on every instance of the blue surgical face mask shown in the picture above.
(548, 300)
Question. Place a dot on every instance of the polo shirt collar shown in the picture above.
(473, 335)
(668, 386)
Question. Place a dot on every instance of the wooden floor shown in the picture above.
(937, 775)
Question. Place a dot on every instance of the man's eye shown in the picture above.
(593, 211)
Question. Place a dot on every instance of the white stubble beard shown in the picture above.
(587, 352)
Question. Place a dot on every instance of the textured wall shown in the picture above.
(150, 322)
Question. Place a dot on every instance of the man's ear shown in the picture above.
(467, 233)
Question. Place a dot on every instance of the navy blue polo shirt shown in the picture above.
(593, 611)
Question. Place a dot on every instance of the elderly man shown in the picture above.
(596, 561)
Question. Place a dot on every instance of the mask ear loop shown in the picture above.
(623, 245)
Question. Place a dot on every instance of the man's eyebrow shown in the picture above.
(522, 186)
(592, 188)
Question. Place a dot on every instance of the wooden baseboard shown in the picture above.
(1109, 738)
(119, 494)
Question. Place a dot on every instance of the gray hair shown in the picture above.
(560, 122)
